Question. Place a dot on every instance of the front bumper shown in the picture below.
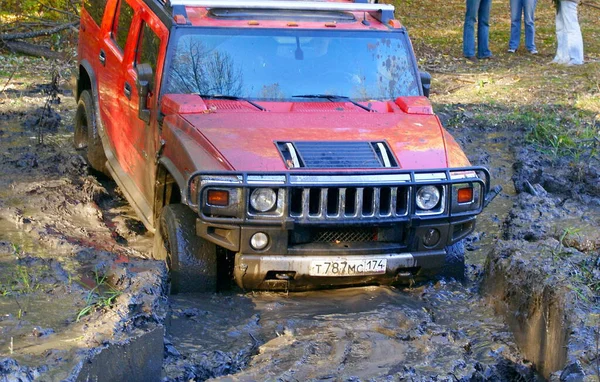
(274, 272)
(285, 266)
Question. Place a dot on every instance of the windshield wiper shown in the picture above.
(232, 98)
(333, 98)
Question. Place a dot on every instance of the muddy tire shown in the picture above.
(191, 260)
(455, 261)
(87, 138)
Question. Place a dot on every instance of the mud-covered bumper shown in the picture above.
(295, 272)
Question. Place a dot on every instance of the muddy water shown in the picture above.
(373, 332)
(491, 150)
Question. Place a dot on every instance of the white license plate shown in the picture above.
(345, 267)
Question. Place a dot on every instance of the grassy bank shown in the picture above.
(557, 107)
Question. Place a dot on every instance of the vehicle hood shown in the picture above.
(247, 139)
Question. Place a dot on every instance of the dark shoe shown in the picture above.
(486, 57)
(471, 58)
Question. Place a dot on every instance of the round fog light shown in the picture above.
(259, 241)
(431, 237)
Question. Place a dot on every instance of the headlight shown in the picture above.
(263, 199)
(427, 197)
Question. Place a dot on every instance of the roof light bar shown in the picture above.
(386, 11)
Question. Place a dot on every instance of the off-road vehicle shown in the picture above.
(286, 144)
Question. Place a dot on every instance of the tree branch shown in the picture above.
(43, 32)
(590, 5)
(58, 10)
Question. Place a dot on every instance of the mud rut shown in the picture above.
(68, 223)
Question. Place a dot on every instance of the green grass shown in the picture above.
(556, 108)
(102, 296)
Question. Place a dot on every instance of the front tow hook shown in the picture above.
(491, 195)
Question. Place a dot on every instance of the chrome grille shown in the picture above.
(338, 203)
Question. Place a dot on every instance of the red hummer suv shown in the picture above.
(286, 144)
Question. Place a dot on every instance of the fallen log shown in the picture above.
(31, 49)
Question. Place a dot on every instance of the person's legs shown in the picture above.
(483, 29)
(562, 52)
(469, 28)
(573, 33)
(529, 21)
(516, 9)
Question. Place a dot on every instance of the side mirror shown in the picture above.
(144, 78)
(426, 83)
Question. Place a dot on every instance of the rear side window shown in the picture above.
(96, 9)
(122, 23)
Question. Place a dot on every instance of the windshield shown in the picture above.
(280, 64)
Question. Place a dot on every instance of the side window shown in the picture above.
(96, 9)
(121, 24)
(147, 51)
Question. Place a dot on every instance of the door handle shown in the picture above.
(102, 57)
(127, 90)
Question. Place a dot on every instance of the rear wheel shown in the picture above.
(454, 266)
(87, 137)
(191, 260)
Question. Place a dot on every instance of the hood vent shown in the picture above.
(311, 154)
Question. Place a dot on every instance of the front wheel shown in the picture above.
(191, 260)
(454, 266)
(87, 136)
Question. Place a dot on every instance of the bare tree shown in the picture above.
(197, 70)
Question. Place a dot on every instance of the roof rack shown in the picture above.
(383, 12)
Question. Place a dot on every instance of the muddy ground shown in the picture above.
(78, 291)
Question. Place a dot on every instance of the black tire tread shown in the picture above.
(87, 136)
(191, 260)
(455, 261)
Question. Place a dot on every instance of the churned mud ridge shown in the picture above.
(78, 299)
(545, 276)
(74, 343)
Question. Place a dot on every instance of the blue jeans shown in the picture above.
(477, 11)
(527, 9)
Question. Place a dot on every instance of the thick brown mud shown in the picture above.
(68, 238)
(73, 279)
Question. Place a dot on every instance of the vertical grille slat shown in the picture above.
(305, 202)
(323, 202)
(376, 201)
(393, 199)
(358, 202)
(342, 203)
(338, 203)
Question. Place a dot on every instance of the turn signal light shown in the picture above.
(218, 197)
(465, 195)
